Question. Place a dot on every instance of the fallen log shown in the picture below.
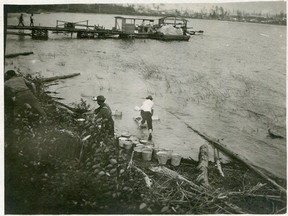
(17, 54)
(202, 178)
(57, 98)
(237, 157)
(50, 79)
(51, 92)
(172, 174)
(64, 105)
(232, 154)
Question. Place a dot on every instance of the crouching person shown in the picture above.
(18, 96)
(103, 114)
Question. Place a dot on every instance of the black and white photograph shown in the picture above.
(144, 107)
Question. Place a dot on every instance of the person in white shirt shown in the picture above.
(146, 114)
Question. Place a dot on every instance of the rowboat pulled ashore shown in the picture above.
(166, 28)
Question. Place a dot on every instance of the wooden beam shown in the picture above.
(50, 79)
(17, 54)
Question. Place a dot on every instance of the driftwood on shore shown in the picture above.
(197, 189)
(225, 150)
(50, 79)
(237, 157)
(70, 109)
(202, 178)
(17, 54)
(172, 174)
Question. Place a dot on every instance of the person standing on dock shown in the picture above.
(146, 113)
(21, 20)
(31, 20)
(104, 115)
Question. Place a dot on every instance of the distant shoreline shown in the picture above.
(216, 13)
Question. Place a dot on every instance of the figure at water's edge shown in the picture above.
(146, 113)
(104, 115)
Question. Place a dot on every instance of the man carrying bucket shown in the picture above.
(146, 114)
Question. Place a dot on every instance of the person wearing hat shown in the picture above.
(104, 114)
(147, 113)
(18, 94)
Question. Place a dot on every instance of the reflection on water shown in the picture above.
(228, 83)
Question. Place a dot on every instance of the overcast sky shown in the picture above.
(263, 6)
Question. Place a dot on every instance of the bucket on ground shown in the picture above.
(162, 157)
(140, 145)
(175, 159)
(147, 154)
(138, 151)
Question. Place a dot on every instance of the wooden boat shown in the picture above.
(178, 25)
(131, 27)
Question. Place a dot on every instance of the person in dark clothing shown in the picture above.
(31, 20)
(21, 20)
(104, 114)
(18, 95)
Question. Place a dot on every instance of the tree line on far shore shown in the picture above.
(216, 13)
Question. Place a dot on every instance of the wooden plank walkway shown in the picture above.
(71, 30)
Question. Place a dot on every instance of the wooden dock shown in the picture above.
(124, 28)
(41, 32)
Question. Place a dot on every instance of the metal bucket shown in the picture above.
(176, 159)
(138, 151)
(162, 157)
(147, 154)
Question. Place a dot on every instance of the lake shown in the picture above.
(229, 83)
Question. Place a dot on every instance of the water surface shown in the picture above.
(228, 83)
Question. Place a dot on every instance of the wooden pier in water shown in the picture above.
(82, 30)
(124, 28)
